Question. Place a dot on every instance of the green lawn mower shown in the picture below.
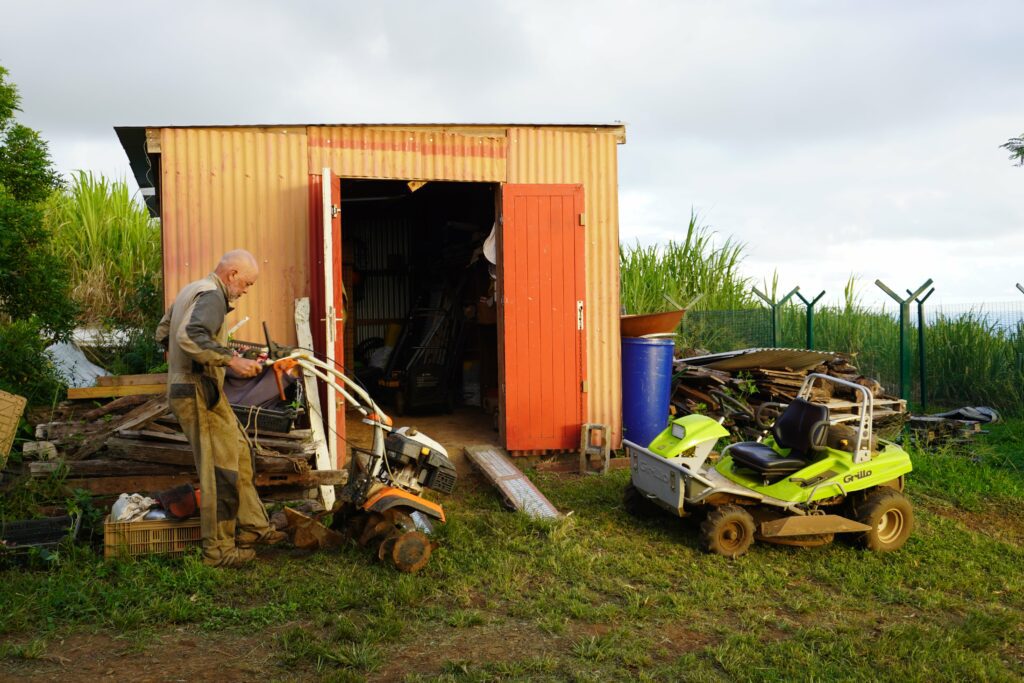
(812, 478)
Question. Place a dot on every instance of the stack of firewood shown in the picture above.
(737, 395)
(134, 444)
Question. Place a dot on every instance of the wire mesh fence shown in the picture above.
(973, 354)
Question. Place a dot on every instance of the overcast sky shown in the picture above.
(830, 137)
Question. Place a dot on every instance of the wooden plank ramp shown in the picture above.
(516, 489)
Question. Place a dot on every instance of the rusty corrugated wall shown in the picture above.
(247, 187)
(587, 156)
(226, 188)
(427, 153)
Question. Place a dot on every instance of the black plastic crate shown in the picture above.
(265, 419)
(47, 532)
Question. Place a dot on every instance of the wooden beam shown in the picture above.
(117, 405)
(161, 482)
(102, 468)
(131, 484)
(141, 415)
(110, 392)
(180, 455)
(323, 454)
(130, 380)
(170, 436)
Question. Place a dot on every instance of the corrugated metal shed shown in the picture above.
(407, 153)
(223, 187)
(230, 188)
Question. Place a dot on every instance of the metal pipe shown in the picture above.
(920, 345)
(810, 317)
(775, 306)
(904, 333)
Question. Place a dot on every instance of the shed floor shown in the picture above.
(463, 427)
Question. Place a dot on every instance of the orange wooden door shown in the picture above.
(542, 321)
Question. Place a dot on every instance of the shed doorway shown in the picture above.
(421, 329)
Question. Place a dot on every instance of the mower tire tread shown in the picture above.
(890, 516)
(728, 530)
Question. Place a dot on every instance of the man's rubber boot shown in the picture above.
(249, 540)
(233, 557)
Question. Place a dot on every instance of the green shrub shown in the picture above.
(35, 305)
(25, 367)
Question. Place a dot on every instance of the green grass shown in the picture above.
(598, 596)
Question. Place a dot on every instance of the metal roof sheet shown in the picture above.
(768, 359)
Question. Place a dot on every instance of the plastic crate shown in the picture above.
(11, 407)
(156, 537)
(47, 532)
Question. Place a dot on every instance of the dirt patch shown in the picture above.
(176, 655)
(507, 641)
(1000, 524)
(670, 640)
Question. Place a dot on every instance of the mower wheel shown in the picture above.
(637, 504)
(728, 530)
(890, 516)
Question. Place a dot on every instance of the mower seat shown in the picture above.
(764, 460)
(802, 428)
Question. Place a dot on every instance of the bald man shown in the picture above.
(232, 517)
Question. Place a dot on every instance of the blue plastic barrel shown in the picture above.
(646, 383)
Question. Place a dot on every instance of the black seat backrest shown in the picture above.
(802, 427)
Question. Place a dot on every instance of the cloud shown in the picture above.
(829, 137)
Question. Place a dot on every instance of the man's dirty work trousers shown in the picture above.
(225, 462)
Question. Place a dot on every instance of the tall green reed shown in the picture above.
(683, 269)
(112, 248)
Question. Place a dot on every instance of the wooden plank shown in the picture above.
(170, 436)
(102, 468)
(40, 450)
(115, 406)
(180, 455)
(161, 482)
(840, 404)
(110, 392)
(144, 413)
(130, 380)
(313, 478)
(323, 454)
(131, 484)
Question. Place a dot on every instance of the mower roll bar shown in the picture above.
(862, 450)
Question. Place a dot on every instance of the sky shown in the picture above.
(832, 138)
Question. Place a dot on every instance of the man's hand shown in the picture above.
(243, 367)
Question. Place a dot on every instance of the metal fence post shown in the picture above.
(904, 333)
(810, 317)
(774, 306)
(920, 343)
